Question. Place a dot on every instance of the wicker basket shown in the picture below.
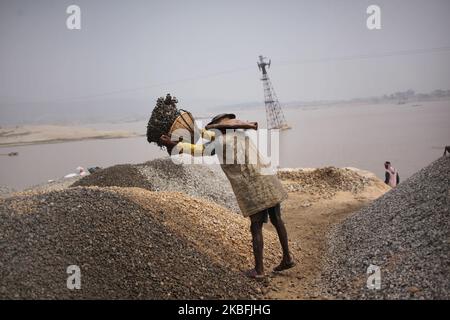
(184, 121)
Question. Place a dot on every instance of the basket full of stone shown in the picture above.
(167, 118)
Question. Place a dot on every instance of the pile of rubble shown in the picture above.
(406, 233)
(200, 181)
(129, 243)
(324, 182)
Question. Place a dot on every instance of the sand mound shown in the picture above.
(406, 233)
(128, 242)
(223, 236)
(122, 175)
(202, 181)
(326, 182)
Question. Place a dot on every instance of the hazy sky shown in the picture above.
(178, 45)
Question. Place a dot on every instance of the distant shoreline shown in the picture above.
(64, 140)
(47, 134)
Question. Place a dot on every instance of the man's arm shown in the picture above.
(186, 147)
(386, 177)
(193, 149)
(208, 135)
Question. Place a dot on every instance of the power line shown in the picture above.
(128, 90)
(367, 56)
(240, 69)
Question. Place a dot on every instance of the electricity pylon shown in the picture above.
(274, 114)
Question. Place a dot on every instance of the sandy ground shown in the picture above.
(308, 219)
(23, 135)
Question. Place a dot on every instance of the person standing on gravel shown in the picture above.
(391, 176)
(259, 195)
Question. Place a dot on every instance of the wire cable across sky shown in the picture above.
(240, 69)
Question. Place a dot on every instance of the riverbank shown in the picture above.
(39, 134)
(356, 136)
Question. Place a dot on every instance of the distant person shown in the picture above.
(391, 177)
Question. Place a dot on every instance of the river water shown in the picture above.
(409, 135)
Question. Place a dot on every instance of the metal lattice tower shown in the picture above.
(274, 114)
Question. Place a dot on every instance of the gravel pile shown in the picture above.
(200, 181)
(57, 184)
(130, 243)
(323, 182)
(406, 233)
(121, 175)
(210, 183)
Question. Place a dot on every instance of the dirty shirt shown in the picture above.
(255, 184)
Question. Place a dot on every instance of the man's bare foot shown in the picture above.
(253, 274)
(284, 265)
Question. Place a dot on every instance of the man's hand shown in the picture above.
(167, 142)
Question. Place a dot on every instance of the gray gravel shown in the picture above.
(324, 182)
(200, 181)
(123, 249)
(57, 184)
(406, 233)
(122, 175)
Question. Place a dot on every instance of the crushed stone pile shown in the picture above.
(406, 232)
(121, 175)
(324, 182)
(129, 243)
(201, 181)
(210, 183)
(57, 184)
